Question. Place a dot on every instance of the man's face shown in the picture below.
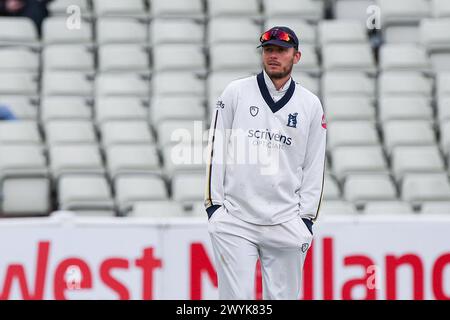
(278, 61)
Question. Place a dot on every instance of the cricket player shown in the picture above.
(265, 175)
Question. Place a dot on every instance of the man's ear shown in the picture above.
(297, 56)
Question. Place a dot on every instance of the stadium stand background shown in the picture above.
(97, 105)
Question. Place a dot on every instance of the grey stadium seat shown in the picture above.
(404, 83)
(404, 57)
(233, 8)
(19, 132)
(122, 84)
(443, 107)
(126, 132)
(22, 160)
(436, 207)
(18, 83)
(440, 8)
(174, 83)
(184, 158)
(360, 188)
(70, 131)
(341, 108)
(310, 10)
(84, 192)
(119, 7)
(445, 138)
(348, 57)
(23, 107)
(176, 131)
(174, 108)
(55, 30)
(120, 108)
(352, 133)
(404, 108)
(177, 8)
(26, 197)
(408, 133)
(67, 83)
(342, 31)
(443, 84)
(132, 159)
(121, 30)
(331, 188)
(243, 57)
(233, 30)
(433, 34)
(416, 159)
(157, 209)
(400, 19)
(178, 57)
(65, 108)
(123, 57)
(348, 84)
(18, 59)
(177, 31)
(388, 208)
(133, 188)
(75, 158)
(358, 160)
(309, 61)
(17, 30)
(337, 208)
(60, 7)
(353, 9)
(421, 187)
(188, 187)
(66, 57)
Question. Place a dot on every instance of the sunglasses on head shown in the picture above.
(275, 34)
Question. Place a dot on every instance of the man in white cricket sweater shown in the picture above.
(265, 175)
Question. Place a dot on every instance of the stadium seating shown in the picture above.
(120, 30)
(404, 108)
(388, 208)
(75, 158)
(156, 209)
(65, 57)
(132, 159)
(332, 208)
(133, 188)
(112, 113)
(17, 31)
(23, 107)
(65, 108)
(179, 31)
(363, 188)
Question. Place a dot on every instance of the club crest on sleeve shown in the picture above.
(292, 120)
(324, 122)
(254, 110)
(305, 247)
(220, 104)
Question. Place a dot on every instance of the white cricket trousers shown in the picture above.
(237, 245)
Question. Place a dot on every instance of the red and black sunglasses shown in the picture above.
(277, 35)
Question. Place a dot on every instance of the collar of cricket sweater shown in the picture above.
(283, 95)
(274, 93)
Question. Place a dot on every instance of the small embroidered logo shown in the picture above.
(254, 110)
(292, 120)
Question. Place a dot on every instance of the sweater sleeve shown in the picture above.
(219, 133)
(311, 190)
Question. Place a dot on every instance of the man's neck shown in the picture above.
(280, 82)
